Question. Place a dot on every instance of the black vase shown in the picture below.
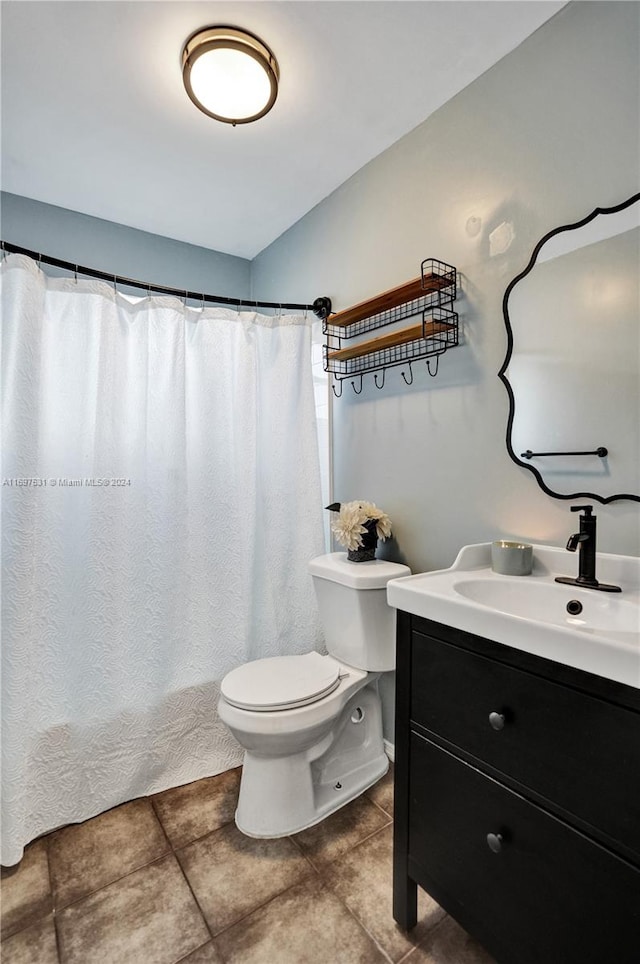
(367, 551)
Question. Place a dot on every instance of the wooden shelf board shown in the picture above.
(401, 337)
(410, 291)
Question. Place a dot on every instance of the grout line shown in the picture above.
(385, 812)
(194, 951)
(91, 893)
(53, 903)
(363, 927)
(270, 900)
(306, 856)
(389, 821)
(159, 819)
(360, 923)
(209, 833)
(197, 902)
(429, 934)
(32, 921)
(321, 868)
(433, 929)
(173, 851)
(187, 843)
(205, 836)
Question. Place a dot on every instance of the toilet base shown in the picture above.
(283, 795)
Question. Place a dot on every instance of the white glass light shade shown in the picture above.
(229, 74)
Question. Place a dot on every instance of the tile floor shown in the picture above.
(170, 879)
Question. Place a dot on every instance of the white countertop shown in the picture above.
(529, 612)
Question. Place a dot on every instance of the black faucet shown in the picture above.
(585, 540)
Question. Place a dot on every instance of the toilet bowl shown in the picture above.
(311, 725)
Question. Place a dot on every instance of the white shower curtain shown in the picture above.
(160, 501)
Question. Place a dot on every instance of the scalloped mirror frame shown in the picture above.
(502, 373)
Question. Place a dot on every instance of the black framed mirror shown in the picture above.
(572, 366)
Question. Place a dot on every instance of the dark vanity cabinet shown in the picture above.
(517, 798)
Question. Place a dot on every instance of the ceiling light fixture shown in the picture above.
(230, 74)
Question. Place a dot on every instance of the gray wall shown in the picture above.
(539, 140)
(111, 247)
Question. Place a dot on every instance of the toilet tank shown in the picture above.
(359, 626)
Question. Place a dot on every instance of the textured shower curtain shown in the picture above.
(160, 501)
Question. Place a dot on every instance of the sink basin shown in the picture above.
(530, 612)
(547, 602)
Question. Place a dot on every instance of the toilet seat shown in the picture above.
(281, 682)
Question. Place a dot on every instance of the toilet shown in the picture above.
(311, 725)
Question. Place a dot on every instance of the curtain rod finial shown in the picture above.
(322, 308)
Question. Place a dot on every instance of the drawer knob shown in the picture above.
(497, 720)
(494, 841)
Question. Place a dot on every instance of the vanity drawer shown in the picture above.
(576, 750)
(548, 895)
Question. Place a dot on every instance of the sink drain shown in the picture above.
(574, 607)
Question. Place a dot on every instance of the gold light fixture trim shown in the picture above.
(230, 74)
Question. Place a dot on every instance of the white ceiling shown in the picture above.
(95, 117)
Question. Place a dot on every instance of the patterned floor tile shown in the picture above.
(89, 855)
(232, 874)
(341, 831)
(448, 943)
(149, 917)
(26, 890)
(196, 809)
(204, 955)
(363, 879)
(305, 925)
(35, 944)
(382, 792)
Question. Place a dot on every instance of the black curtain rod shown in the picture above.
(321, 307)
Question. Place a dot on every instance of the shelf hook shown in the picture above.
(333, 387)
(435, 370)
(407, 380)
(375, 378)
(356, 390)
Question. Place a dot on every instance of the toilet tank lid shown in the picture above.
(356, 575)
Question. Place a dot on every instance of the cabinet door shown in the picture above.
(576, 750)
(534, 890)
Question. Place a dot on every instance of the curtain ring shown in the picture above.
(114, 285)
(333, 387)
(408, 382)
(75, 275)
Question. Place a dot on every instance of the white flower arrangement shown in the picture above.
(351, 524)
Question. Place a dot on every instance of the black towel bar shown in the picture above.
(601, 452)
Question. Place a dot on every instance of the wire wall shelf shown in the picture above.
(428, 298)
